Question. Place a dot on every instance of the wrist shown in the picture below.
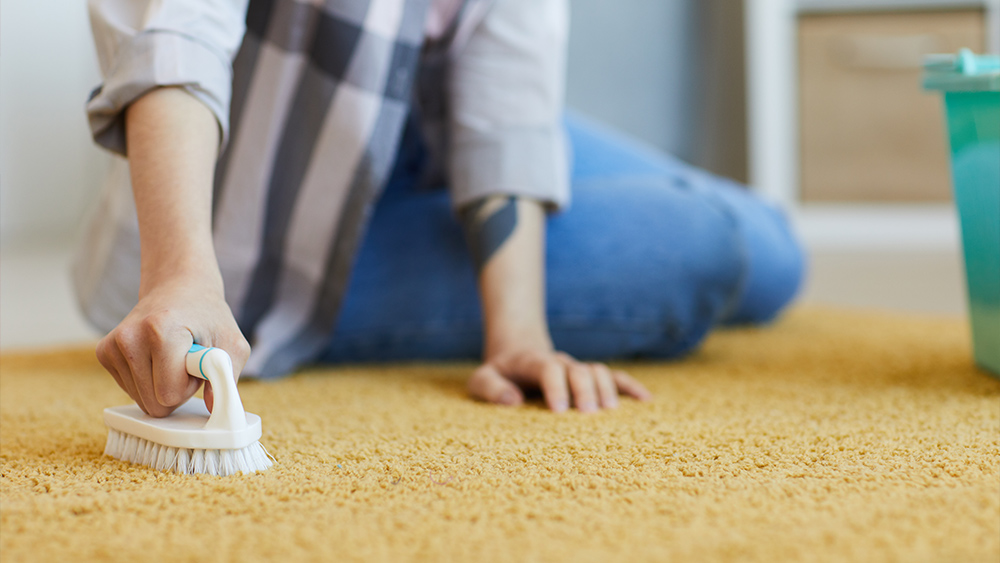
(197, 268)
(509, 337)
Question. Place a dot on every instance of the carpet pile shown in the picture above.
(829, 436)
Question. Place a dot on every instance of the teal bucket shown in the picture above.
(971, 86)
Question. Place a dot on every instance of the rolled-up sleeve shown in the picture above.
(142, 45)
(506, 88)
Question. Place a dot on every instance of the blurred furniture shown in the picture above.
(866, 133)
(839, 129)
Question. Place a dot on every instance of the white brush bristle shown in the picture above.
(127, 447)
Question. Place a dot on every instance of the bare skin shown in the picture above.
(173, 144)
(518, 351)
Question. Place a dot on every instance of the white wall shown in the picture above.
(49, 170)
(631, 65)
(669, 72)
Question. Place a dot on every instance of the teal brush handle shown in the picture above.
(215, 366)
(199, 352)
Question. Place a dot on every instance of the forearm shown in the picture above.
(172, 146)
(506, 237)
(172, 141)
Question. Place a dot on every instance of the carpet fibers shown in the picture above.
(830, 436)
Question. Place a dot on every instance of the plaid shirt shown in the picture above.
(318, 97)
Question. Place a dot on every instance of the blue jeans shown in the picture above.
(650, 256)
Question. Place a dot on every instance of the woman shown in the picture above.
(265, 227)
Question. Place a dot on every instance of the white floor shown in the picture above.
(923, 282)
(37, 308)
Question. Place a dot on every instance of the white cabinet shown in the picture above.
(785, 163)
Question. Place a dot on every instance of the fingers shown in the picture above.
(135, 351)
(629, 386)
(554, 385)
(239, 353)
(123, 356)
(147, 360)
(146, 352)
(610, 383)
(563, 381)
(488, 385)
(607, 391)
(168, 344)
(209, 396)
(112, 360)
(581, 381)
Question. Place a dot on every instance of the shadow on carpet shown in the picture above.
(830, 436)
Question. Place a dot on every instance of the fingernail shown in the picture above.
(560, 406)
(588, 407)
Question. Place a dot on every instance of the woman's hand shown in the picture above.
(506, 237)
(146, 352)
(563, 381)
(173, 140)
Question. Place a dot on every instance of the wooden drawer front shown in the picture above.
(868, 131)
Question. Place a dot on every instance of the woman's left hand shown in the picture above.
(563, 381)
(506, 237)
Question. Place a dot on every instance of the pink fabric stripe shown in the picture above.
(440, 16)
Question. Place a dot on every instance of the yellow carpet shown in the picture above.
(831, 436)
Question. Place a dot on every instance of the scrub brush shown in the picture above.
(190, 440)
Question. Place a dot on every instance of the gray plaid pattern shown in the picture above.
(321, 94)
(311, 98)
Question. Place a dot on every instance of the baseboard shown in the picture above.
(878, 227)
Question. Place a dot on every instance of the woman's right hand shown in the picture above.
(173, 142)
(146, 352)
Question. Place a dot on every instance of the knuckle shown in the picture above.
(102, 353)
(126, 337)
(537, 363)
(170, 394)
(158, 411)
(242, 348)
(155, 325)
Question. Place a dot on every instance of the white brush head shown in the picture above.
(184, 428)
(181, 443)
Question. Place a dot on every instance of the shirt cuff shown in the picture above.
(150, 60)
(525, 162)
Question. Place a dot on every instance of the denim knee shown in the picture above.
(706, 286)
(776, 269)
